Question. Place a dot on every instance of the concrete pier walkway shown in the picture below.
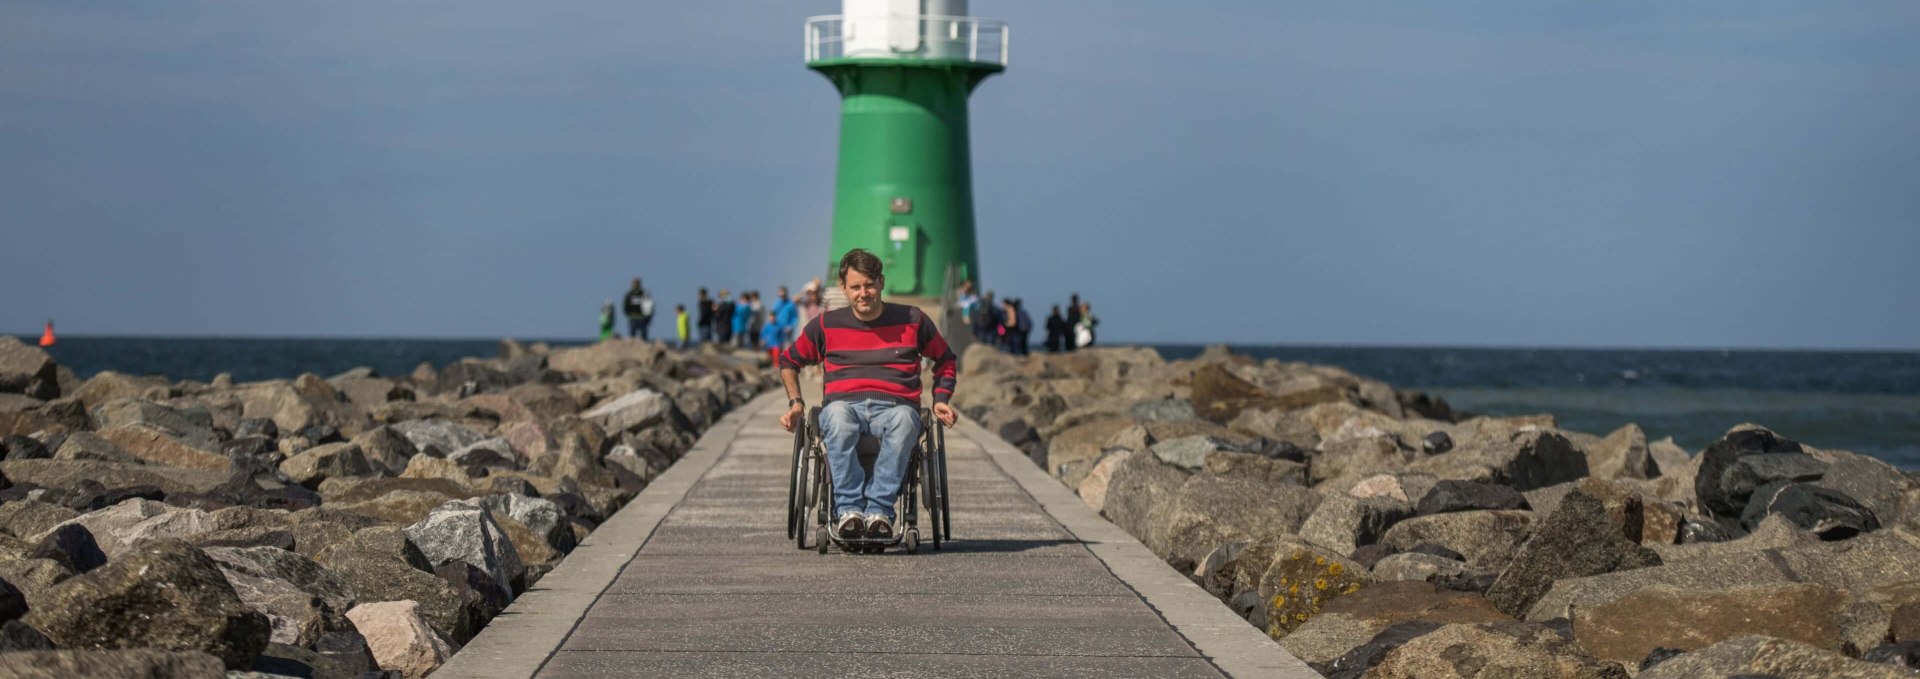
(696, 578)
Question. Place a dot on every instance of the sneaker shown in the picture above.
(851, 527)
(879, 527)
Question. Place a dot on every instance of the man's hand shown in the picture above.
(791, 417)
(945, 414)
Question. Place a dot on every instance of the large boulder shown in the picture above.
(1208, 511)
(633, 412)
(1084, 442)
(70, 474)
(542, 516)
(1343, 523)
(296, 617)
(382, 564)
(1140, 483)
(438, 435)
(400, 638)
(27, 370)
(158, 446)
(1293, 580)
(1524, 458)
(464, 530)
(299, 571)
(1760, 656)
(1488, 539)
(29, 518)
(139, 663)
(1347, 622)
(323, 462)
(386, 447)
(1825, 512)
(1624, 453)
(1462, 496)
(607, 358)
(1580, 538)
(1492, 650)
(163, 594)
(1865, 563)
(1723, 486)
(1629, 628)
(116, 529)
(109, 386)
(1220, 395)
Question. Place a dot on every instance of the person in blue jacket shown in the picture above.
(742, 318)
(786, 317)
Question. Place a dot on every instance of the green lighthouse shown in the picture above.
(904, 188)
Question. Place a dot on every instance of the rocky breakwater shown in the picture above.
(1375, 532)
(345, 527)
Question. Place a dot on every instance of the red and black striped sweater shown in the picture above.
(877, 359)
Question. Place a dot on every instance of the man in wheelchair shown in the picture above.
(872, 351)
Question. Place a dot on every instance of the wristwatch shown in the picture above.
(792, 401)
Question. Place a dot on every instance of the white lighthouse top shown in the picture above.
(907, 30)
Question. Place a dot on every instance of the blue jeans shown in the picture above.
(841, 424)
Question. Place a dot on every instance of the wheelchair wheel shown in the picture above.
(946, 508)
(796, 498)
(823, 500)
(912, 541)
(928, 481)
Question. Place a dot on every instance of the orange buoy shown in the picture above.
(46, 338)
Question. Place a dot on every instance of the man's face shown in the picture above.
(783, 292)
(862, 292)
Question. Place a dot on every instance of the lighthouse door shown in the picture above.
(903, 256)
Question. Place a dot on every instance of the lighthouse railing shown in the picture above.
(928, 37)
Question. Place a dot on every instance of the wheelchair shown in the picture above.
(810, 490)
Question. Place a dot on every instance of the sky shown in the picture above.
(1527, 173)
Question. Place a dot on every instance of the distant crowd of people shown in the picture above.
(748, 322)
(1007, 325)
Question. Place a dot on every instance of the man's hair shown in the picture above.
(861, 261)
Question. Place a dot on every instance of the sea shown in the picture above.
(1864, 401)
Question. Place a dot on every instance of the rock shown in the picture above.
(34, 578)
(424, 467)
(294, 569)
(493, 453)
(1416, 567)
(1188, 453)
(23, 448)
(1085, 442)
(1436, 443)
(464, 530)
(326, 461)
(440, 435)
(1298, 580)
(386, 447)
(72, 546)
(143, 663)
(1358, 452)
(1623, 454)
(1350, 621)
(27, 518)
(1904, 655)
(256, 426)
(297, 405)
(1719, 491)
(1162, 410)
(1343, 523)
(1410, 488)
(1220, 396)
(1492, 649)
(1876, 485)
(163, 594)
(18, 636)
(69, 474)
(1462, 496)
(116, 528)
(606, 358)
(632, 412)
(543, 517)
(1864, 563)
(1525, 459)
(1758, 656)
(1641, 516)
(1207, 511)
(1904, 624)
(1488, 539)
(89, 446)
(1578, 539)
(475, 586)
(1255, 466)
(381, 564)
(13, 603)
(1355, 663)
(400, 638)
(110, 386)
(27, 370)
(1093, 488)
(281, 660)
(1140, 483)
(295, 617)
(1629, 628)
(1825, 512)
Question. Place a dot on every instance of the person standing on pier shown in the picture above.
(872, 351)
(703, 313)
(1073, 321)
(1057, 330)
(680, 323)
(606, 321)
(723, 318)
(786, 316)
(639, 308)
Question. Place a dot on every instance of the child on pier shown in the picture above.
(680, 323)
